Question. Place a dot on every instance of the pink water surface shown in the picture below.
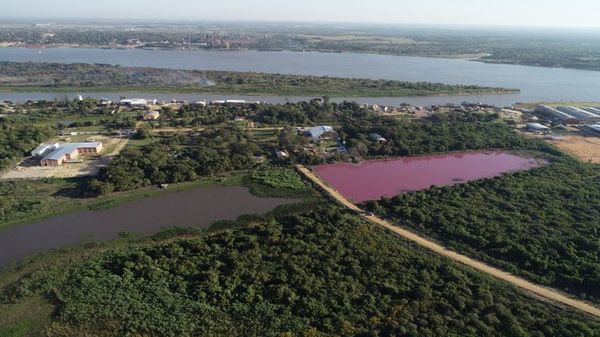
(371, 180)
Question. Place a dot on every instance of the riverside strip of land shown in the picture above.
(28, 77)
(544, 292)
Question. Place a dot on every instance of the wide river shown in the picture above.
(536, 83)
(195, 208)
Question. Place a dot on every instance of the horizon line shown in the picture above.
(288, 22)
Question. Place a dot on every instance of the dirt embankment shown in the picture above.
(584, 148)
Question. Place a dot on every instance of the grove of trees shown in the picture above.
(178, 159)
(17, 141)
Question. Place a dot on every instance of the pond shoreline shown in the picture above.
(199, 207)
(378, 178)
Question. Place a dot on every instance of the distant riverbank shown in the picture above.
(510, 57)
(260, 92)
(537, 84)
(498, 100)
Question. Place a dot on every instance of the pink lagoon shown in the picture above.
(374, 179)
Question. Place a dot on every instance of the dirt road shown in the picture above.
(547, 293)
(120, 146)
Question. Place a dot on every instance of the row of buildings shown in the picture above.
(141, 103)
(570, 114)
(587, 118)
(593, 129)
(57, 154)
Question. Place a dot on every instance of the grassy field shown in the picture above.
(273, 181)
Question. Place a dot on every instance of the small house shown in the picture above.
(318, 132)
(281, 155)
(136, 103)
(151, 116)
(377, 138)
(538, 128)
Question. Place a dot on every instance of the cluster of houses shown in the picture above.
(570, 114)
(587, 119)
(324, 132)
(151, 115)
(142, 103)
(402, 109)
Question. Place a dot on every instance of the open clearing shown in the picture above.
(584, 148)
(544, 292)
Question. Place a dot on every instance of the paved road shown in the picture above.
(547, 293)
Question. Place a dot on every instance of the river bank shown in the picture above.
(198, 207)
(64, 203)
(536, 84)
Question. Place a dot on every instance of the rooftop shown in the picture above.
(537, 126)
(595, 127)
(65, 148)
(317, 131)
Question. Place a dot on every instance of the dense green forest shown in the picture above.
(542, 224)
(18, 140)
(177, 159)
(97, 77)
(437, 134)
(322, 272)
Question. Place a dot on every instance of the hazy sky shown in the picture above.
(560, 13)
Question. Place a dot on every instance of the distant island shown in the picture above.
(56, 77)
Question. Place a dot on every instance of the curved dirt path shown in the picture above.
(547, 293)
